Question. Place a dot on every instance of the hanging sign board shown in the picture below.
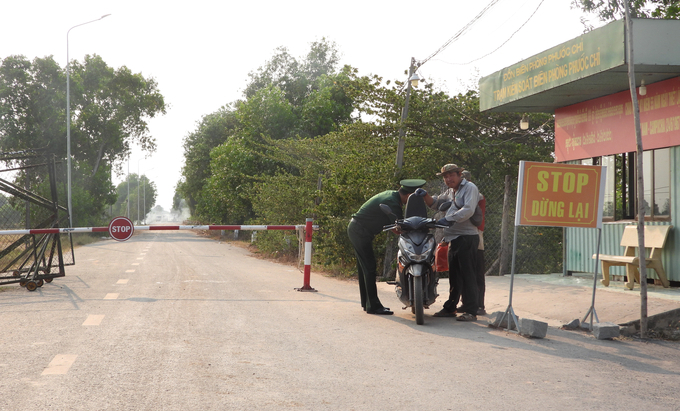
(560, 195)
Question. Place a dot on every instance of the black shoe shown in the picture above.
(444, 313)
(381, 311)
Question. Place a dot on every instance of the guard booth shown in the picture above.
(584, 83)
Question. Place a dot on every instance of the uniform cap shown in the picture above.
(411, 185)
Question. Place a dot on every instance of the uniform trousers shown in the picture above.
(362, 241)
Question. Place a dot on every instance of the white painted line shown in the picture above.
(135, 263)
(123, 280)
(93, 319)
(111, 296)
(129, 271)
(140, 258)
(142, 253)
(60, 364)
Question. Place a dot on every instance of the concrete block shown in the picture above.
(606, 331)
(628, 330)
(573, 325)
(494, 320)
(533, 328)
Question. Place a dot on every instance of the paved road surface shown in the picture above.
(175, 321)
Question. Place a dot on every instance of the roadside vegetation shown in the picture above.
(312, 139)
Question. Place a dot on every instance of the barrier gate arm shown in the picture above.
(65, 230)
(308, 227)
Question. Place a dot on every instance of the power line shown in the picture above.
(502, 44)
(460, 32)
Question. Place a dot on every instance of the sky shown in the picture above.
(200, 52)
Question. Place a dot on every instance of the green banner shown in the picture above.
(591, 53)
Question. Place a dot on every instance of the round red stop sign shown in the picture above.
(121, 228)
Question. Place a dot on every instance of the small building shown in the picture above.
(585, 83)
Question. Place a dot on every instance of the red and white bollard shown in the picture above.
(308, 256)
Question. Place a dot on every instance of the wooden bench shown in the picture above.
(655, 238)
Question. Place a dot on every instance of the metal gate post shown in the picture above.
(309, 228)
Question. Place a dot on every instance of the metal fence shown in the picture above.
(30, 183)
(539, 249)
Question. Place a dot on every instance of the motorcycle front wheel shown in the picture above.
(418, 299)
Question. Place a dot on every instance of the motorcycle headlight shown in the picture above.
(409, 250)
(429, 246)
(406, 247)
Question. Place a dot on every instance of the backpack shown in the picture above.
(477, 218)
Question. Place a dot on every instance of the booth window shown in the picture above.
(620, 196)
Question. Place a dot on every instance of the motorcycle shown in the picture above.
(416, 281)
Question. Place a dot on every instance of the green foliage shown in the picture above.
(213, 130)
(608, 10)
(32, 105)
(267, 113)
(91, 193)
(109, 112)
(285, 99)
(225, 198)
(142, 197)
(298, 148)
(357, 161)
(111, 108)
(548, 240)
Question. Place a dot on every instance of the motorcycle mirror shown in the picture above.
(445, 206)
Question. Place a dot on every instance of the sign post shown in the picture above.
(121, 228)
(558, 195)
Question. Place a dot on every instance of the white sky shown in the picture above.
(201, 52)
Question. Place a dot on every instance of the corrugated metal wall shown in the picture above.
(581, 243)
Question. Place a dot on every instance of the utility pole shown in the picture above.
(640, 180)
(404, 114)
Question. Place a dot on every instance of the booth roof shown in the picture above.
(590, 66)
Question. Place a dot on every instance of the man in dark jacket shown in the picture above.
(362, 229)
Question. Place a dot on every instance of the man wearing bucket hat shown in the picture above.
(463, 239)
(362, 229)
(479, 257)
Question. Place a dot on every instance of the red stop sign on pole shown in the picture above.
(121, 228)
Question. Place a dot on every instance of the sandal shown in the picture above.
(467, 317)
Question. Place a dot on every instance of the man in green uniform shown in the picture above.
(362, 229)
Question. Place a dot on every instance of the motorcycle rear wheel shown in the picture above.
(418, 299)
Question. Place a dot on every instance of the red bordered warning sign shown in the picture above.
(121, 228)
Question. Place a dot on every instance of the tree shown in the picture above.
(142, 197)
(109, 108)
(109, 112)
(213, 130)
(285, 99)
(112, 107)
(608, 10)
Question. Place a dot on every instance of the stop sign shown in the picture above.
(121, 228)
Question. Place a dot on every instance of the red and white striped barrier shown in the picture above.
(150, 228)
(308, 227)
